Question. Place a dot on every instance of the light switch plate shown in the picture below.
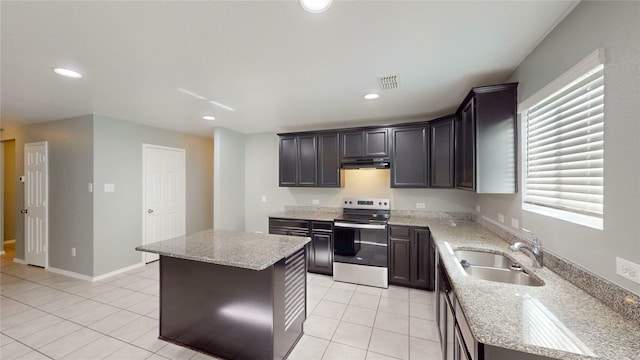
(315, 202)
(501, 218)
(263, 198)
(419, 205)
(109, 187)
(515, 223)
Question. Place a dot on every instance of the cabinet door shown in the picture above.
(288, 161)
(307, 160)
(329, 160)
(352, 144)
(376, 142)
(442, 145)
(321, 253)
(465, 147)
(409, 165)
(422, 260)
(399, 258)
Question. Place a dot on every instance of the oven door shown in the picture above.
(360, 244)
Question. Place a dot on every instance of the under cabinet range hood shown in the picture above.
(365, 163)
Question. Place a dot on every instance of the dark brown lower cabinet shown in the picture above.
(411, 259)
(319, 250)
(399, 261)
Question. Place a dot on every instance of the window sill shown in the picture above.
(584, 220)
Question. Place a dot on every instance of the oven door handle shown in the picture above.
(360, 226)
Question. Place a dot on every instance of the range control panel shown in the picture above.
(366, 203)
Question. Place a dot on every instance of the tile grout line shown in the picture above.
(66, 319)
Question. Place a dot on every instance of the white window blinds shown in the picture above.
(565, 147)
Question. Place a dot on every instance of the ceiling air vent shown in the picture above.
(389, 82)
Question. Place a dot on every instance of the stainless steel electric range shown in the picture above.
(360, 253)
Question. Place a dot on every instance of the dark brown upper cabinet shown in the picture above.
(329, 174)
(365, 143)
(485, 140)
(310, 160)
(288, 155)
(298, 160)
(409, 157)
(442, 142)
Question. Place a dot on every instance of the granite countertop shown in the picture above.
(557, 320)
(230, 248)
(307, 215)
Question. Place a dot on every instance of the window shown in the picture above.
(564, 140)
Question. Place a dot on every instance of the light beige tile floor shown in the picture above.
(49, 316)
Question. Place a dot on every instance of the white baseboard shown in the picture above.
(19, 261)
(119, 271)
(72, 274)
(93, 278)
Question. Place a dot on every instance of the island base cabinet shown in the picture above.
(231, 312)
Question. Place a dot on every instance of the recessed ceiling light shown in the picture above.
(68, 73)
(208, 117)
(371, 96)
(315, 6)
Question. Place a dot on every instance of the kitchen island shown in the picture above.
(235, 295)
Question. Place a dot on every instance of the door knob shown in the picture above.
(150, 211)
(25, 211)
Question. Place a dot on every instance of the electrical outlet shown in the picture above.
(73, 251)
(109, 187)
(419, 205)
(478, 208)
(315, 201)
(264, 198)
(628, 269)
(501, 218)
(515, 223)
(90, 187)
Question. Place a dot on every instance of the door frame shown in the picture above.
(46, 206)
(2, 194)
(143, 211)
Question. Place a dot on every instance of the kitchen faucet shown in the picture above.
(534, 253)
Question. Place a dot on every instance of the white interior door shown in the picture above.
(36, 196)
(164, 194)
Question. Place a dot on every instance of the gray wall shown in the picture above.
(106, 227)
(261, 171)
(229, 180)
(118, 160)
(70, 203)
(9, 189)
(614, 26)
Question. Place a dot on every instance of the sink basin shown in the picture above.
(483, 258)
(503, 275)
(494, 267)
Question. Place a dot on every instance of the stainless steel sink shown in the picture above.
(483, 258)
(503, 275)
(495, 267)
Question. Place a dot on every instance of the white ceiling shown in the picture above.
(278, 66)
